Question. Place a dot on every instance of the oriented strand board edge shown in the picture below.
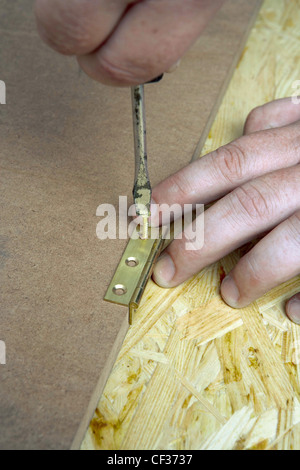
(224, 88)
(100, 385)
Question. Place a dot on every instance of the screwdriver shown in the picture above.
(142, 190)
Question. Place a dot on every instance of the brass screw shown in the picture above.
(145, 231)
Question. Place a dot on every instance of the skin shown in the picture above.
(255, 179)
(124, 42)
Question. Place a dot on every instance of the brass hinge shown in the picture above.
(135, 269)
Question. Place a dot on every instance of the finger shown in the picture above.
(293, 309)
(274, 260)
(78, 26)
(214, 175)
(278, 113)
(239, 217)
(150, 39)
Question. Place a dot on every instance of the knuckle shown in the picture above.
(230, 162)
(253, 202)
(179, 187)
(67, 30)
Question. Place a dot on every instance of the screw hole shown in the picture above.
(119, 290)
(132, 262)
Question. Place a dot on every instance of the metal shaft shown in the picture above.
(142, 188)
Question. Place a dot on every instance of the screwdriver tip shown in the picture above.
(145, 229)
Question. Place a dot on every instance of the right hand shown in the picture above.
(124, 42)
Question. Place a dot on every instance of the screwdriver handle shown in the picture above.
(156, 80)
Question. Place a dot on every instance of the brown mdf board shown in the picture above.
(66, 148)
(194, 373)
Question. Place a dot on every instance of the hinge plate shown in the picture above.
(135, 269)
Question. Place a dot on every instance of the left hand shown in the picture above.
(257, 181)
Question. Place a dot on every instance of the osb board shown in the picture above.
(194, 373)
(66, 147)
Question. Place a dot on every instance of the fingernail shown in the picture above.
(230, 292)
(293, 310)
(164, 271)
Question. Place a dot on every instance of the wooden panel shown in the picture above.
(194, 373)
(66, 147)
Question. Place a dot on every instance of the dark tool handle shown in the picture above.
(156, 80)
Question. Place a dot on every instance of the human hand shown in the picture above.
(257, 181)
(124, 42)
